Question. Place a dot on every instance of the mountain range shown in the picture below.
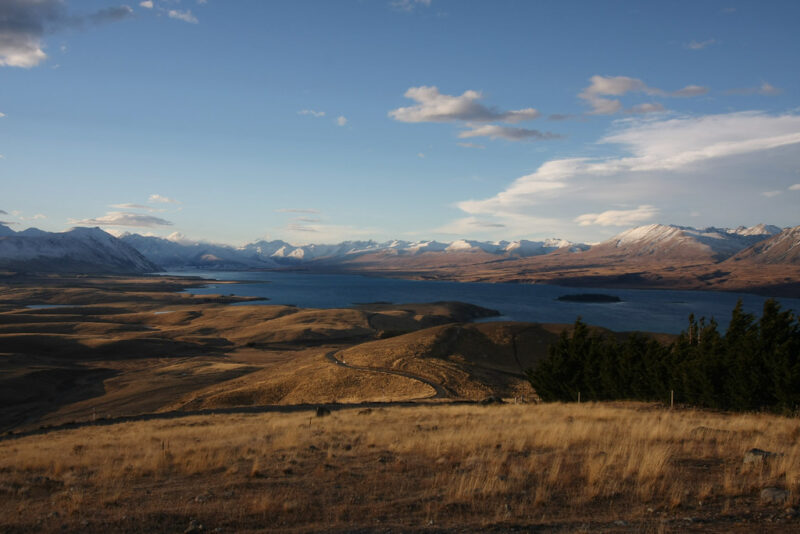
(639, 250)
(80, 250)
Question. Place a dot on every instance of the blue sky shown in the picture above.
(232, 121)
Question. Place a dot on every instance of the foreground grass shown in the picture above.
(557, 467)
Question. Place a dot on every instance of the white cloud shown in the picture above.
(341, 120)
(118, 218)
(433, 106)
(770, 194)
(147, 4)
(794, 187)
(677, 163)
(311, 112)
(2, 115)
(178, 237)
(159, 199)
(494, 131)
(185, 16)
(129, 206)
(420, 154)
(699, 45)
(409, 5)
(133, 206)
(471, 145)
(690, 90)
(602, 87)
(618, 217)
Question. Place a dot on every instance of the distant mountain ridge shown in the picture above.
(783, 247)
(93, 250)
(172, 254)
(683, 242)
(80, 250)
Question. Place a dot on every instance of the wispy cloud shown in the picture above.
(409, 5)
(602, 87)
(341, 120)
(794, 187)
(469, 226)
(690, 90)
(766, 89)
(618, 217)
(699, 45)
(770, 194)
(159, 199)
(294, 227)
(185, 16)
(147, 4)
(311, 112)
(133, 206)
(648, 107)
(296, 210)
(118, 218)
(509, 133)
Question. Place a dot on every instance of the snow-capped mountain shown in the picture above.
(84, 250)
(783, 247)
(180, 254)
(758, 230)
(176, 254)
(524, 248)
(93, 250)
(683, 242)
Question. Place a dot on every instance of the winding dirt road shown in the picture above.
(441, 392)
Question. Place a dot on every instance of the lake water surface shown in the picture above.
(640, 309)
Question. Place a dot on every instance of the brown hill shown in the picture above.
(783, 248)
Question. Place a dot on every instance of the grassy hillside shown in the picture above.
(546, 468)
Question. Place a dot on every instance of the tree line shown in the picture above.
(754, 365)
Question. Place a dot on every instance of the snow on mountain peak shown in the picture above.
(759, 229)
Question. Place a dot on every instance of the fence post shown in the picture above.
(579, 397)
(671, 398)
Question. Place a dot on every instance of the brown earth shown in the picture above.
(588, 269)
(123, 346)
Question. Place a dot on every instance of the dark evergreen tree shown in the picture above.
(754, 366)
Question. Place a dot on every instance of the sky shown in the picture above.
(317, 122)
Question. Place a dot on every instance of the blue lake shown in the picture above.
(640, 309)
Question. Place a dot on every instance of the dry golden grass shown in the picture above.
(125, 346)
(554, 467)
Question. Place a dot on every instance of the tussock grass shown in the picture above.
(450, 466)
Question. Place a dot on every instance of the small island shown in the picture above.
(589, 297)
